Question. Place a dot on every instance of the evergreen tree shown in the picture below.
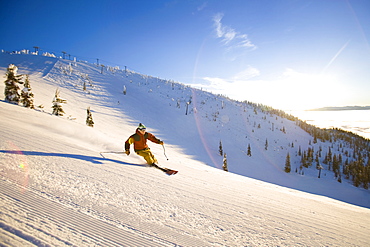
(368, 170)
(249, 151)
(220, 149)
(266, 144)
(11, 87)
(367, 175)
(304, 161)
(287, 168)
(336, 166)
(325, 161)
(356, 173)
(315, 139)
(317, 161)
(224, 166)
(89, 119)
(308, 157)
(345, 169)
(319, 167)
(330, 157)
(27, 95)
(57, 104)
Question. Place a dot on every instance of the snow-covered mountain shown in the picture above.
(53, 160)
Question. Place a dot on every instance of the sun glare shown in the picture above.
(291, 91)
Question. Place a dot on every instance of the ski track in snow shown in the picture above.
(56, 190)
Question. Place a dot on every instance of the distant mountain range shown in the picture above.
(341, 108)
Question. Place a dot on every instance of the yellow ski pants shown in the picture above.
(147, 155)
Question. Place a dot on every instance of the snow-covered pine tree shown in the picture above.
(287, 167)
(89, 119)
(27, 95)
(57, 104)
(224, 166)
(11, 87)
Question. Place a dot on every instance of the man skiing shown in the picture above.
(142, 149)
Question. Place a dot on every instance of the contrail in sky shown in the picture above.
(335, 56)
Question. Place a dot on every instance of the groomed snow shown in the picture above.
(57, 190)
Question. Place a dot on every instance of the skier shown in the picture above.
(140, 146)
(142, 149)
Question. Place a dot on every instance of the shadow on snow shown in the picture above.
(92, 159)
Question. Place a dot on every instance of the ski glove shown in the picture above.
(161, 143)
(127, 151)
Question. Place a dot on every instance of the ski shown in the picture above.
(165, 170)
(170, 172)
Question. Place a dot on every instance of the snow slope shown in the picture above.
(57, 190)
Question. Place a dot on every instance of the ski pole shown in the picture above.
(164, 151)
(111, 152)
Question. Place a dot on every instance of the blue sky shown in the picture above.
(289, 54)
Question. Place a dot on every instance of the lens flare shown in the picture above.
(22, 164)
(201, 132)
